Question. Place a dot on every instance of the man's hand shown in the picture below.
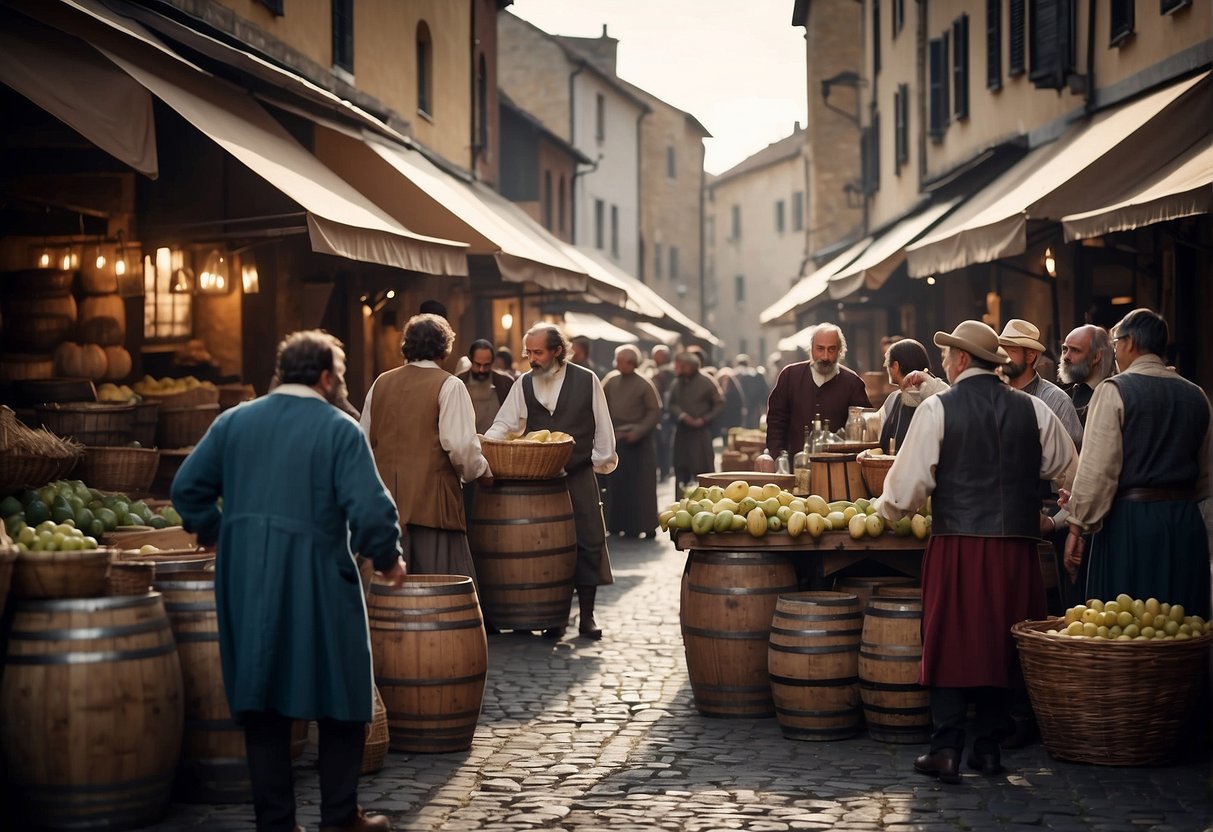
(914, 378)
(1075, 547)
(1063, 497)
(1047, 525)
(396, 575)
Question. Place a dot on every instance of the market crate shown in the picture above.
(180, 427)
(122, 469)
(90, 423)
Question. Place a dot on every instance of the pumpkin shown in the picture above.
(110, 313)
(118, 363)
(104, 331)
(81, 360)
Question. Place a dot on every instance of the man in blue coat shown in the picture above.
(299, 491)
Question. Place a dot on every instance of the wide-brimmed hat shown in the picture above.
(1020, 333)
(975, 338)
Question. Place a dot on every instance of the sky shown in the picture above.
(736, 65)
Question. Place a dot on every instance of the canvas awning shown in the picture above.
(1181, 189)
(810, 287)
(652, 332)
(800, 340)
(993, 223)
(595, 328)
(888, 251)
(112, 110)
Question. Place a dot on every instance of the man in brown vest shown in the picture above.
(422, 430)
(559, 395)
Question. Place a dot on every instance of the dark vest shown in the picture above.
(574, 412)
(1165, 423)
(989, 463)
(897, 423)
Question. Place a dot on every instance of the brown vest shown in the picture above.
(408, 453)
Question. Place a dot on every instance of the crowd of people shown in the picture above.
(1112, 468)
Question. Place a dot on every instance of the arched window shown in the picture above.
(547, 200)
(482, 106)
(425, 69)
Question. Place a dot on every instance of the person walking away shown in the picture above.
(909, 368)
(300, 491)
(1087, 358)
(1142, 474)
(978, 450)
(806, 389)
(694, 401)
(635, 408)
(422, 429)
(559, 395)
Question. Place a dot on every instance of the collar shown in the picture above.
(300, 390)
(424, 362)
(820, 379)
(1145, 361)
(973, 372)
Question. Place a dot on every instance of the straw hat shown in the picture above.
(1020, 333)
(975, 338)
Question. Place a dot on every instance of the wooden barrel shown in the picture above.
(727, 607)
(864, 587)
(905, 591)
(895, 705)
(90, 712)
(813, 659)
(431, 659)
(524, 544)
(836, 476)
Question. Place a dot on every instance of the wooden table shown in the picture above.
(827, 554)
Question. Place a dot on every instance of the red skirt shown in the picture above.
(973, 590)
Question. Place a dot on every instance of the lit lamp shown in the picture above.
(507, 321)
(1050, 263)
(249, 279)
(214, 279)
(182, 282)
(931, 280)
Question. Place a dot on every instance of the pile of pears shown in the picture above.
(1131, 619)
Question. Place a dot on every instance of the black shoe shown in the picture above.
(986, 758)
(944, 764)
(554, 632)
(587, 628)
(1023, 735)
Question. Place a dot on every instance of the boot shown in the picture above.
(586, 627)
(362, 822)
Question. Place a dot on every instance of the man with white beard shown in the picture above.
(1086, 360)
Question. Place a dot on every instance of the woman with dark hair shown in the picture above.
(910, 369)
(422, 428)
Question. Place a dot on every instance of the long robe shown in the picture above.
(299, 490)
(700, 397)
(630, 501)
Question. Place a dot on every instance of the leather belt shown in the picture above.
(1156, 495)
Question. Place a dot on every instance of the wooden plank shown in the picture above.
(838, 542)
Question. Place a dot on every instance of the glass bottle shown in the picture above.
(855, 424)
(818, 441)
(801, 464)
(764, 463)
(783, 465)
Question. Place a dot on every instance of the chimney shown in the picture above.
(604, 30)
(796, 127)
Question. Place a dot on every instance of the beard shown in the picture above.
(1075, 372)
(479, 376)
(541, 370)
(1011, 370)
(825, 366)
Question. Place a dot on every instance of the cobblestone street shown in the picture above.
(590, 736)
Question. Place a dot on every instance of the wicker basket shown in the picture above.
(131, 577)
(90, 423)
(8, 557)
(186, 398)
(874, 470)
(180, 427)
(49, 575)
(376, 736)
(20, 470)
(125, 470)
(523, 460)
(1111, 703)
(143, 426)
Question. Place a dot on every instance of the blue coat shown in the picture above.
(299, 490)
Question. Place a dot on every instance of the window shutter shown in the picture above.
(1168, 6)
(938, 95)
(343, 34)
(993, 44)
(901, 128)
(1017, 37)
(1051, 43)
(876, 37)
(960, 66)
(274, 6)
(869, 151)
(1121, 21)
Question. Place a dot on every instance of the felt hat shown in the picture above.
(1020, 333)
(975, 338)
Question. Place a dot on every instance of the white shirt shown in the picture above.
(511, 419)
(456, 426)
(912, 396)
(912, 478)
(820, 379)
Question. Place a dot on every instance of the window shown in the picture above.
(899, 15)
(1121, 22)
(1051, 43)
(901, 127)
(1169, 6)
(938, 66)
(343, 34)
(993, 44)
(600, 117)
(779, 215)
(547, 200)
(869, 155)
(673, 262)
(735, 234)
(614, 230)
(274, 6)
(425, 67)
(599, 224)
(482, 106)
(739, 289)
(560, 205)
(671, 170)
(798, 211)
(166, 314)
(875, 37)
(1017, 38)
(657, 262)
(960, 67)
(742, 344)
